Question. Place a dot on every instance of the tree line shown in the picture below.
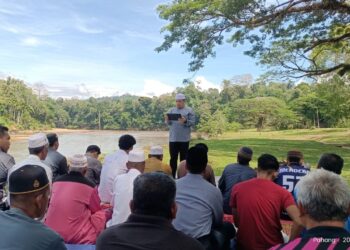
(257, 105)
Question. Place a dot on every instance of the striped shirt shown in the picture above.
(319, 238)
(6, 162)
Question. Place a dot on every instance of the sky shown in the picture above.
(83, 48)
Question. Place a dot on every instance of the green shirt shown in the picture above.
(18, 231)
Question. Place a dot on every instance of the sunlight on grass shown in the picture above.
(313, 143)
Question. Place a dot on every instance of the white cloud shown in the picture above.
(81, 91)
(12, 9)
(87, 25)
(153, 87)
(31, 41)
(143, 36)
(204, 84)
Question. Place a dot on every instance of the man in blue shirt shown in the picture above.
(179, 131)
(234, 174)
(290, 174)
(20, 227)
(200, 213)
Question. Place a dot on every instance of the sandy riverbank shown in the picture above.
(23, 135)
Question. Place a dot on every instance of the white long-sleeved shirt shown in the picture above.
(114, 165)
(32, 160)
(123, 188)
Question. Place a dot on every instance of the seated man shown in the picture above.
(20, 227)
(330, 162)
(200, 213)
(74, 210)
(208, 173)
(38, 146)
(290, 174)
(55, 159)
(154, 162)
(123, 188)
(93, 172)
(114, 165)
(324, 201)
(6, 162)
(257, 205)
(234, 174)
(149, 226)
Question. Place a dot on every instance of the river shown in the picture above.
(76, 142)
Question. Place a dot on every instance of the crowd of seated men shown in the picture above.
(134, 203)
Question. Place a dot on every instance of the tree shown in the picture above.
(282, 34)
(262, 112)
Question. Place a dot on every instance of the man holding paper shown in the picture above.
(180, 119)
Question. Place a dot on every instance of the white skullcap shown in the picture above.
(37, 140)
(78, 161)
(180, 96)
(136, 156)
(156, 150)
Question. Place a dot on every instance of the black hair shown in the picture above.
(267, 162)
(203, 145)
(293, 159)
(36, 151)
(197, 160)
(154, 194)
(243, 160)
(52, 138)
(93, 148)
(126, 142)
(3, 130)
(331, 162)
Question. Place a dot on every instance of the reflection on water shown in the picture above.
(74, 143)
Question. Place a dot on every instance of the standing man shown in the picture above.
(55, 159)
(179, 130)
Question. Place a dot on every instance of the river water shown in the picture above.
(77, 142)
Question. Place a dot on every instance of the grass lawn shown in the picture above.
(312, 143)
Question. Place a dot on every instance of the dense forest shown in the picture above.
(245, 105)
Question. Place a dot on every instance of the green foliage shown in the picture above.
(237, 106)
(281, 34)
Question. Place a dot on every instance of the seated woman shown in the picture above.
(74, 211)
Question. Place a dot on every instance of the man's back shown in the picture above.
(93, 173)
(153, 165)
(32, 160)
(259, 203)
(288, 176)
(208, 174)
(122, 194)
(232, 175)
(114, 165)
(18, 231)
(142, 232)
(57, 162)
(77, 217)
(199, 206)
